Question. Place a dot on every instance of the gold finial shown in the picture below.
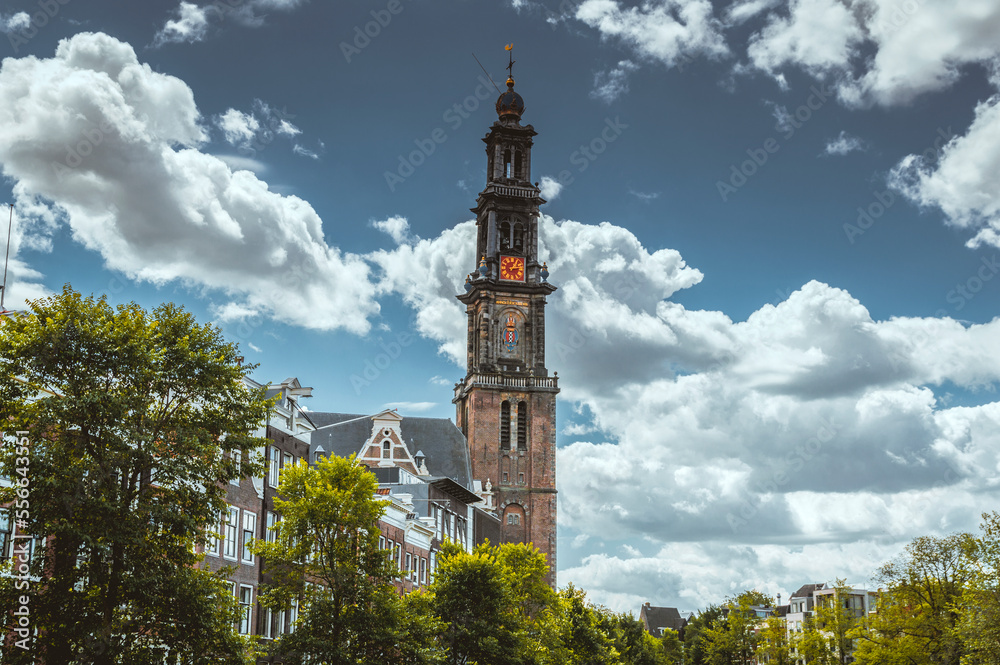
(510, 66)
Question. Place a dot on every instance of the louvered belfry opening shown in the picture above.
(505, 425)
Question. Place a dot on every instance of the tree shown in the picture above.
(828, 635)
(979, 625)
(732, 638)
(129, 423)
(325, 554)
(472, 595)
(773, 646)
(636, 646)
(672, 646)
(694, 634)
(587, 630)
(918, 612)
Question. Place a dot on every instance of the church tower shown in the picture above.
(506, 405)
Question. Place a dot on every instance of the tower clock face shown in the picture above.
(512, 267)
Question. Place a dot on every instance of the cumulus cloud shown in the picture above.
(191, 25)
(804, 443)
(551, 188)
(844, 144)
(962, 181)
(252, 132)
(16, 22)
(118, 160)
(668, 31)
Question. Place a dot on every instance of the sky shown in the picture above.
(774, 226)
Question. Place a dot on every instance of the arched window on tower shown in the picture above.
(504, 235)
(517, 242)
(522, 425)
(505, 425)
(517, 165)
(386, 449)
(506, 163)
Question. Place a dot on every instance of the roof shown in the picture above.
(806, 590)
(443, 444)
(656, 618)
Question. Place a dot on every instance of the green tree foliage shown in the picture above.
(827, 637)
(473, 596)
(918, 610)
(732, 638)
(132, 420)
(979, 625)
(325, 554)
(673, 647)
(773, 646)
(694, 634)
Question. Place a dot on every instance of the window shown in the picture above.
(238, 456)
(520, 479)
(504, 236)
(409, 564)
(423, 570)
(249, 531)
(386, 449)
(399, 555)
(272, 521)
(504, 481)
(517, 164)
(505, 425)
(212, 539)
(229, 533)
(522, 425)
(293, 615)
(513, 518)
(381, 542)
(273, 470)
(246, 605)
(5, 535)
(289, 461)
(517, 243)
(506, 163)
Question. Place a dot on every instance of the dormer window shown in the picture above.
(386, 449)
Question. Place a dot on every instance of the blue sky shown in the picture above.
(774, 226)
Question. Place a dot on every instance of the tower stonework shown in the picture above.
(506, 405)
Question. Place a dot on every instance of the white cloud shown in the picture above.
(718, 444)
(397, 228)
(962, 181)
(17, 22)
(191, 25)
(252, 132)
(644, 196)
(193, 21)
(818, 35)
(304, 152)
(844, 144)
(183, 215)
(611, 84)
(551, 188)
(668, 31)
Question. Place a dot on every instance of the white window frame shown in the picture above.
(249, 527)
(213, 543)
(288, 460)
(274, 467)
(238, 456)
(272, 521)
(231, 527)
(247, 609)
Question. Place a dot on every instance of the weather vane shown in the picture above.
(510, 67)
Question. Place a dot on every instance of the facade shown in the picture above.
(505, 405)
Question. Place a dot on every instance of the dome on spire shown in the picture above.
(509, 104)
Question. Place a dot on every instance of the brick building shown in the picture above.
(506, 404)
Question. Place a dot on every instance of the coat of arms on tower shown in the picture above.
(510, 333)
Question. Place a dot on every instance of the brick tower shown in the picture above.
(506, 405)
